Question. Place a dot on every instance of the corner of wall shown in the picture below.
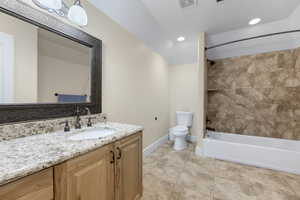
(202, 73)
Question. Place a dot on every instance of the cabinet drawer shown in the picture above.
(38, 186)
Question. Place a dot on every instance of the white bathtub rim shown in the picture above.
(251, 162)
(252, 137)
(249, 145)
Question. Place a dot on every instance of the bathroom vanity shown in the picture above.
(107, 168)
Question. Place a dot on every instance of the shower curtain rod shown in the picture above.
(251, 38)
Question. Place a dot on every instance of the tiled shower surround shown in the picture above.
(256, 95)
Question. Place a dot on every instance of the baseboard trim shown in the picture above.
(155, 145)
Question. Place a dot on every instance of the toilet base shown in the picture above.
(180, 143)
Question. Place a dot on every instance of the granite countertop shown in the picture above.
(25, 156)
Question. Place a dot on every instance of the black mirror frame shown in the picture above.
(10, 113)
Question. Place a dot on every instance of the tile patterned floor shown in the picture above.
(170, 175)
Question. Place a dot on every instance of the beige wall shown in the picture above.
(187, 88)
(183, 92)
(202, 92)
(59, 76)
(135, 79)
(63, 67)
(25, 39)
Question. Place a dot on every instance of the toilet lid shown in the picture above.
(180, 128)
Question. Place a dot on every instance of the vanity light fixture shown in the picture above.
(77, 14)
(254, 21)
(180, 39)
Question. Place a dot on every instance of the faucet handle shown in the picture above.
(77, 123)
(103, 116)
(88, 110)
(67, 127)
(90, 123)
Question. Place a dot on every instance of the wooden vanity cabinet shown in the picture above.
(35, 187)
(88, 177)
(129, 168)
(113, 172)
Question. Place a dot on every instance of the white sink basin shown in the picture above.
(96, 133)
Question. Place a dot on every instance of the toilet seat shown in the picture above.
(180, 130)
(180, 133)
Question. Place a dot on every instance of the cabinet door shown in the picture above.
(38, 186)
(129, 168)
(88, 177)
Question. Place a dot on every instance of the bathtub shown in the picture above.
(276, 154)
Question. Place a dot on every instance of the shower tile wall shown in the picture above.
(256, 95)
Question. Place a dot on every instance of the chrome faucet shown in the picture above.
(88, 111)
(89, 123)
(77, 120)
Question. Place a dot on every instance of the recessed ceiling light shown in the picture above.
(180, 39)
(254, 21)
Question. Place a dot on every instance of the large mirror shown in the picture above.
(47, 67)
(39, 66)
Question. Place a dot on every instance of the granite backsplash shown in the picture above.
(18, 130)
(256, 95)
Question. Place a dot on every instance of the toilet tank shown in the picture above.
(184, 118)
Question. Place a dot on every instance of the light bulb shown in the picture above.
(78, 15)
(52, 4)
(254, 21)
(180, 39)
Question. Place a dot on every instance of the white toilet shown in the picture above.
(180, 132)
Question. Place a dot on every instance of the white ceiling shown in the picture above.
(159, 22)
